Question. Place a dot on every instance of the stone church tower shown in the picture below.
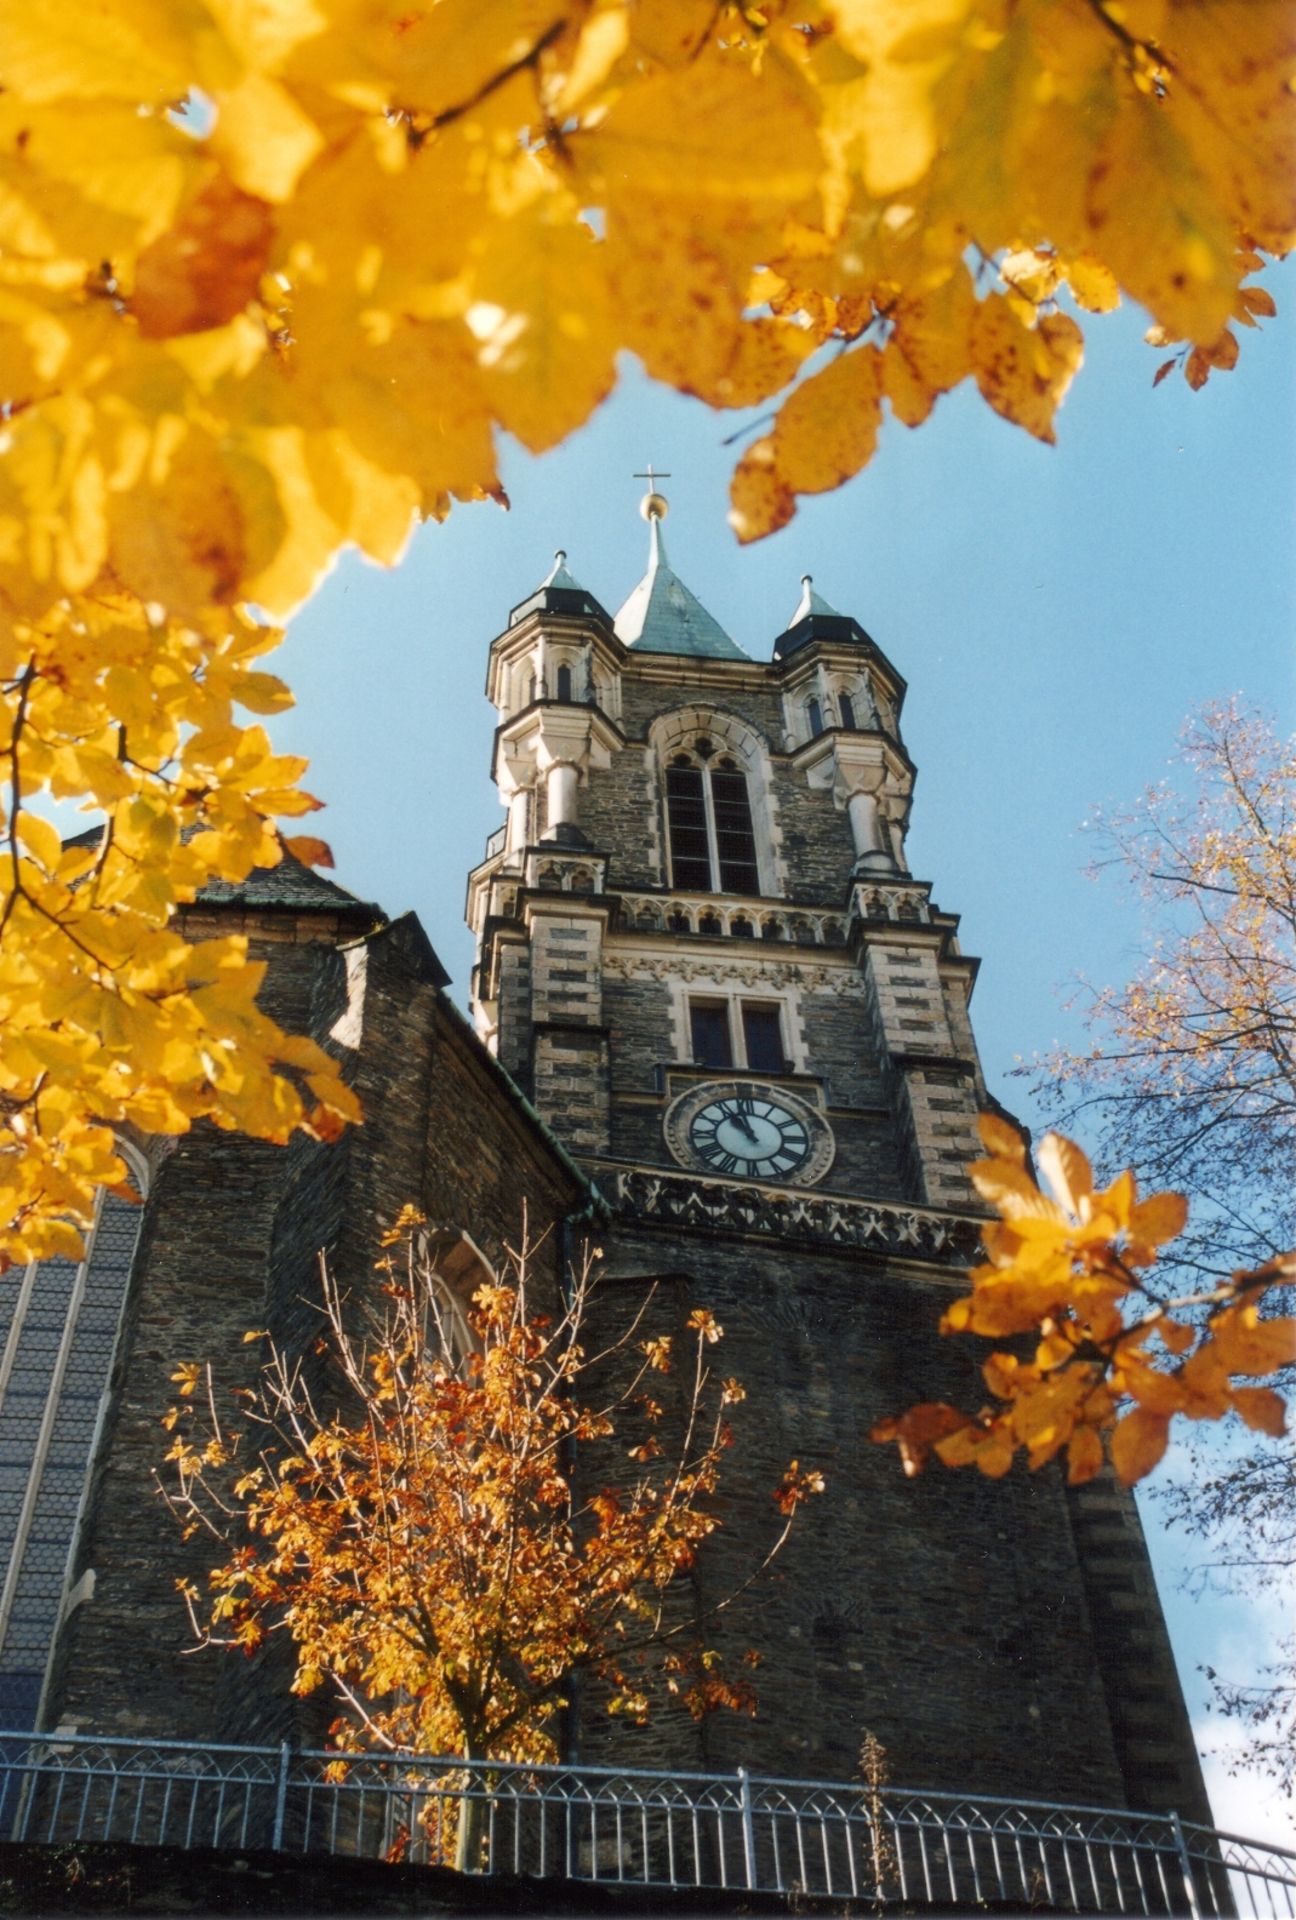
(718, 1015)
(702, 954)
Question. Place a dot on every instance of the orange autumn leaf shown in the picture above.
(205, 269)
(1137, 1444)
(310, 851)
(1095, 1387)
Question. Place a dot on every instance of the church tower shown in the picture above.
(703, 956)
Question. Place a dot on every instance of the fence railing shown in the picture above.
(683, 1830)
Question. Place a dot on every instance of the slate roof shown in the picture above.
(663, 616)
(810, 603)
(291, 885)
(559, 592)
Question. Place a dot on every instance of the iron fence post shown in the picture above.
(281, 1796)
(1185, 1866)
(748, 1825)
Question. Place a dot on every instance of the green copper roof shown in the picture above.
(662, 616)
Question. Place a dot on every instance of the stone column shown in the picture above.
(518, 809)
(561, 782)
(872, 854)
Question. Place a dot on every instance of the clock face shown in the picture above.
(745, 1131)
(750, 1135)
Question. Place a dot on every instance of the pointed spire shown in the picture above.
(662, 615)
(558, 575)
(810, 603)
(559, 592)
(817, 619)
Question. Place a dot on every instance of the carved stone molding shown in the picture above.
(902, 903)
(689, 913)
(659, 1197)
(754, 974)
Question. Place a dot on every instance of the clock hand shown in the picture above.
(741, 1120)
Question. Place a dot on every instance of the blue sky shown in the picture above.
(1057, 613)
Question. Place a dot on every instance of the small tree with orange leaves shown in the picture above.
(1116, 1357)
(434, 1550)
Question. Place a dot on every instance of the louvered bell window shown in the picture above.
(712, 845)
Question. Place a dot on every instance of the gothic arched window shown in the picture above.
(564, 678)
(814, 713)
(712, 845)
(846, 707)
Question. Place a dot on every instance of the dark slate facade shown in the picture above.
(716, 1013)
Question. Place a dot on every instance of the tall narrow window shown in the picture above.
(762, 1037)
(814, 713)
(564, 683)
(735, 843)
(730, 1033)
(712, 844)
(690, 844)
(846, 707)
(709, 1033)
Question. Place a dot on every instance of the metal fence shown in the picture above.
(688, 1830)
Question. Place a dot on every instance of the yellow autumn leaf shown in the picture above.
(1234, 64)
(1011, 1189)
(1137, 1444)
(41, 839)
(827, 429)
(1263, 1409)
(1001, 1139)
(207, 266)
(735, 145)
(930, 348)
(310, 851)
(1084, 1456)
(133, 50)
(1024, 371)
(1156, 224)
(264, 137)
(1160, 1217)
(1066, 1168)
(1093, 284)
(1247, 1344)
(761, 500)
(540, 315)
(906, 50)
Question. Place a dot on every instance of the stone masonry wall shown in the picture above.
(935, 1088)
(948, 1615)
(569, 1063)
(230, 1242)
(621, 807)
(199, 1282)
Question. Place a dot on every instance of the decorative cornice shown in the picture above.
(659, 1198)
(771, 919)
(809, 976)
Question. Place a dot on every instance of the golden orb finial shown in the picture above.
(654, 505)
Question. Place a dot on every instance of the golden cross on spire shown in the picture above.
(654, 505)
